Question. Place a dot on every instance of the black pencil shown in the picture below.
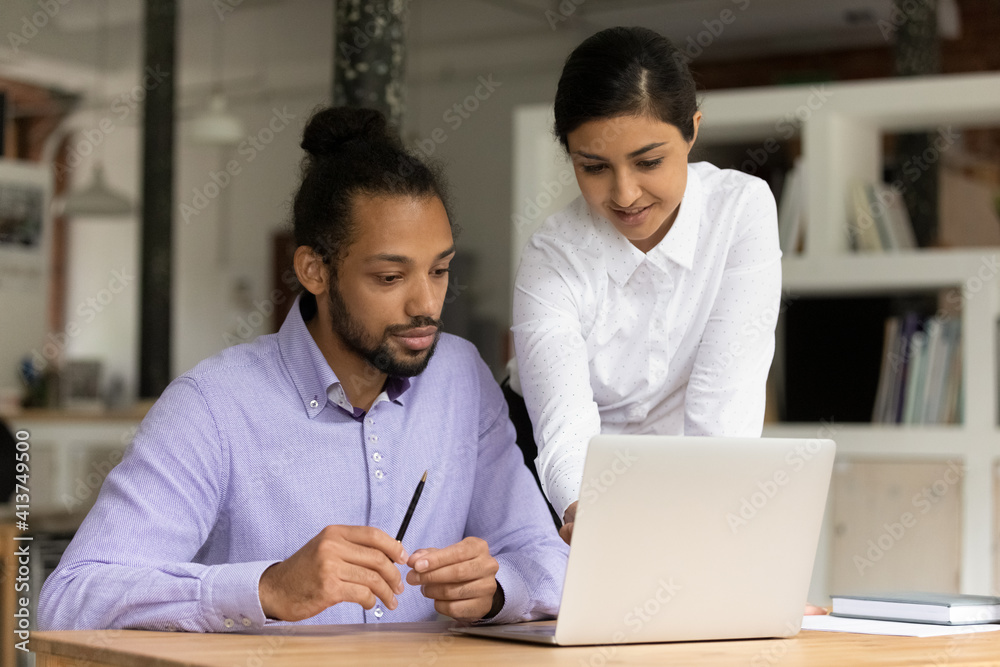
(409, 510)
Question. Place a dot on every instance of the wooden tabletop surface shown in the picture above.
(426, 644)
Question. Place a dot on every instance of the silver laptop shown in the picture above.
(684, 538)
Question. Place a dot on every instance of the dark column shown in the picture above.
(916, 52)
(370, 56)
(157, 198)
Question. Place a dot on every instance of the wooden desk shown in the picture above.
(425, 644)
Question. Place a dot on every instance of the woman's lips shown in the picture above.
(418, 339)
(632, 217)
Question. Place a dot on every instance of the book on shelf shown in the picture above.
(919, 607)
(880, 221)
(920, 375)
(864, 230)
(884, 406)
(916, 360)
(791, 209)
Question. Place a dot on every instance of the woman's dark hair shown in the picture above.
(625, 72)
(350, 152)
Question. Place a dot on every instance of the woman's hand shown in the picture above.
(566, 532)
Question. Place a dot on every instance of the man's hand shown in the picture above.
(341, 564)
(461, 579)
(566, 532)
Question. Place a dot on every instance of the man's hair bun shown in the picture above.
(330, 129)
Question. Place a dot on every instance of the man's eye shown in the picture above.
(387, 280)
(441, 272)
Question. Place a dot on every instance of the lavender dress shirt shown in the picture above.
(249, 455)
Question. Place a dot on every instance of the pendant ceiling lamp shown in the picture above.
(216, 125)
(99, 199)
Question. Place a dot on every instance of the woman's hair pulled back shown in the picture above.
(625, 72)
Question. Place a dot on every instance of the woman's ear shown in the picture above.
(310, 269)
(696, 121)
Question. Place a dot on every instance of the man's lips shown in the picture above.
(417, 339)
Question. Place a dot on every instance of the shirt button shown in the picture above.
(246, 622)
(229, 623)
(314, 403)
(374, 438)
(377, 457)
(378, 612)
(371, 422)
(378, 474)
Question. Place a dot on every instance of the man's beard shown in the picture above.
(377, 352)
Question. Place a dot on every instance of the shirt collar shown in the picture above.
(309, 370)
(677, 246)
(680, 242)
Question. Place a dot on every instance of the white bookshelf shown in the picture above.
(841, 142)
(841, 126)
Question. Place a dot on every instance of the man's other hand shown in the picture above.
(461, 579)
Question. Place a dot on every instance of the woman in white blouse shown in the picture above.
(649, 304)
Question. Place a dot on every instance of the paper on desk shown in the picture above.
(866, 627)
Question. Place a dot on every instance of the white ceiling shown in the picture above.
(287, 43)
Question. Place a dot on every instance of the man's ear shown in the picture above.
(310, 269)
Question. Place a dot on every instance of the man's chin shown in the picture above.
(406, 362)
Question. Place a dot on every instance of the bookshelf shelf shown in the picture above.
(841, 126)
(915, 270)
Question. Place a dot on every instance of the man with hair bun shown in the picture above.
(264, 486)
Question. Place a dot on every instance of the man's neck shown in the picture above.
(361, 381)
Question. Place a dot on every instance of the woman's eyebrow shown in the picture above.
(635, 153)
(648, 147)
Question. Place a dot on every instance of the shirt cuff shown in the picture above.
(517, 604)
(232, 599)
(565, 489)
